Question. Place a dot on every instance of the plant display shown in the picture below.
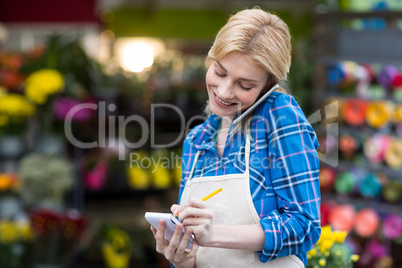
(116, 248)
(42, 84)
(330, 251)
(56, 234)
(15, 109)
(15, 240)
(45, 179)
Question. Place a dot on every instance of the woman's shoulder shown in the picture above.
(278, 100)
(281, 106)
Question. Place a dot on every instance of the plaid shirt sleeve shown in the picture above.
(294, 227)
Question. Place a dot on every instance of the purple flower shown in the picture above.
(62, 107)
(376, 249)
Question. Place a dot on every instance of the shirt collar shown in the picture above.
(203, 136)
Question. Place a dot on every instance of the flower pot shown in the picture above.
(48, 266)
(11, 147)
(50, 144)
(95, 178)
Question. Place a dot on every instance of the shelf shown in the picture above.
(337, 15)
(359, 202)
(125, 193)
(336, 40)
(375, 168)
(368, 46)
(361, 132)
(327, 59)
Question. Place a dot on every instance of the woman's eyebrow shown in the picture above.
(220, 65)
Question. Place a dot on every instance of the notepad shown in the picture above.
(171, 222)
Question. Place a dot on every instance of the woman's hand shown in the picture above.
(175, 251)
(197, 216)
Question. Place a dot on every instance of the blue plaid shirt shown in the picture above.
(284, 169)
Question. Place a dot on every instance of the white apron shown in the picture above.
(231, 206)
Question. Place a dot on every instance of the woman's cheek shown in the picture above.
(209, 78)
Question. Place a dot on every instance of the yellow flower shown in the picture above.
(119, 239)
(3, 120)
(25, 230)
(113, 258)
(326, 245)
(15, 106)
(43, 83)
(3, 91)
(340, 236)
(311, 253)
(8, 232)
(355, 257)
(326, 233)
(322, 262)
(327, 239)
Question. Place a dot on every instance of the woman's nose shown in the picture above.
(226, 91)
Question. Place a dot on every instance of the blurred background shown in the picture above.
(96, 96)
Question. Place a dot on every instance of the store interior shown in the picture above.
(96, 98)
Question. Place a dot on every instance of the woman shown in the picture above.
(268, 214)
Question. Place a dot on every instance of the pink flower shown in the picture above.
(62, 106)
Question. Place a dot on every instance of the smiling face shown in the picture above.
(234, 83)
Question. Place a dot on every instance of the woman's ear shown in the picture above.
(268, 86)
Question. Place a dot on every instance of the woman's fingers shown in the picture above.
(194, 221)
(160, 237)
(194, 212)
(184, 242)
(197, 203)
(171, 250)
(153, 231)
(175, 208)
(182, 252)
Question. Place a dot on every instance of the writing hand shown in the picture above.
(197, 216)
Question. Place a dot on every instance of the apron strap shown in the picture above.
(247, 155)
(195, 162)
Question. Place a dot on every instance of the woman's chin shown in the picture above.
(223, 112)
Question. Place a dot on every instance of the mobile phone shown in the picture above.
(252, 107)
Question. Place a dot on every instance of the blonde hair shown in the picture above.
(263, 37)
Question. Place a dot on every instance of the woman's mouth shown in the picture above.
(225, 104)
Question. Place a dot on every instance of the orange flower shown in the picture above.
(5, 182)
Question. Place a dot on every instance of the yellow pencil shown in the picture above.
(204, 198)
(211, 194)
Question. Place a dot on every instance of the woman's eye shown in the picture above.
(245, 88)
(219, 74)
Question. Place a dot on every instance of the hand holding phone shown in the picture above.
(171, 222)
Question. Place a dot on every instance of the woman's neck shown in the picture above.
(223, 134)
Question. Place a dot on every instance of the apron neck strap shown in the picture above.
(247, 154)
(194, 164)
